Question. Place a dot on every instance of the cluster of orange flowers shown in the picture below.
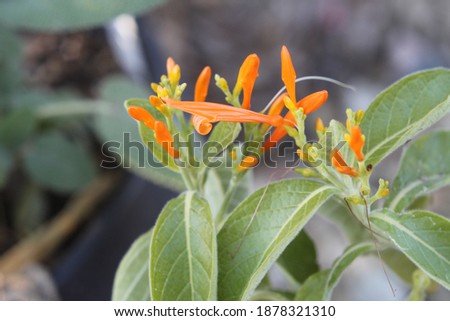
(204, 114)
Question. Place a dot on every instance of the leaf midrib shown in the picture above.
(412, 235)
(271, 248)
(405, 130)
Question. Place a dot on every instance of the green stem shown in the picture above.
(187, 179)
(234, 182)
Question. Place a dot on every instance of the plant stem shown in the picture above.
(234, 182)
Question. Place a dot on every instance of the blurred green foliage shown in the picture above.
(49, 140)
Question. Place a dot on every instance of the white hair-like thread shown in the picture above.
(331, 80)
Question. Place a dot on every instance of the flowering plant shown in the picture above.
(215, 242)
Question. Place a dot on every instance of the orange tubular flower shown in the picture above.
(140, 114)
(247, 77)
(288, 74)
(356, 142)
(341, 166)
(277, 105)
(162, 134)
(213, 112)
(201, 124)
(275, 109)
(309, 104)
(202, 84)
(164, 138)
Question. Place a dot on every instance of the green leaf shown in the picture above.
(335, 210)
(59, 164)
(56, 15)
(131, 279)
(425, 166)
(183, 254)
(299, 258)
(399, 264)
(217, 184)
(148, 136)
(403, 110)
(214, 190)
(260, 228)
(5, 165)
(222, 136)
(16, 127)
(422, 236)
(320, 285)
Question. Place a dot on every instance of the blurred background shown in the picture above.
(67, 66)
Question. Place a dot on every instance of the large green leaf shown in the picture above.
(424, 237)
(59, 164)
(131, 280)
(425, 166)
(183, 254)
(320, 285)
(299, 258)
(114, 127)
(56, 15)
(260, 228)
(403, 110)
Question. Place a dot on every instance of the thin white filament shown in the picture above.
(331, 80)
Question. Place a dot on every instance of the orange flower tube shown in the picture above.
(164, 138)
(341, 166)
(247, 78)
(288, 74)
(202, 84)
(356, 142)
(214, 112)
(162, 134)
(309, 104)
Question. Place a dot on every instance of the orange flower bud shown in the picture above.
(201, 86)
(320, 128)
(170, 64)
(248, 162)
(356, 142)
(277, 105)
(247, 77)
(341, 166)
(288, 74)
(141, 114)
(313, 102)
(274, 110)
